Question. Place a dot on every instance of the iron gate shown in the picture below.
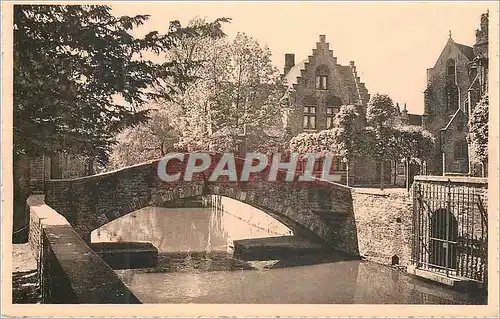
(450, 229)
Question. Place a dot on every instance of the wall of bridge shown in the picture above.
(68, 270)
(323, 208)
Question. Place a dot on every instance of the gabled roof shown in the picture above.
(467, 51)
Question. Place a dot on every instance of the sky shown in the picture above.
(392, 44)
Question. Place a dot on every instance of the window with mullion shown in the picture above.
(309, 121)
(330, 115)
(461, 150)
(321, 82)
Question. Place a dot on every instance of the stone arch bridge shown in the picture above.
(320, 208)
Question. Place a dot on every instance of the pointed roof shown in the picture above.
(467, 51)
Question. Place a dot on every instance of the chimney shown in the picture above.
(322, 38)
(289, 62)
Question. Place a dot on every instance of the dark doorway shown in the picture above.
(444, 233)
(413, 170)
(395, 260)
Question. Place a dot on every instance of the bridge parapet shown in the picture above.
(68, 270)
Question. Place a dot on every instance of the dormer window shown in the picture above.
(322, 77)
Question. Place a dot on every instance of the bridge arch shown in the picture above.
(319, 207)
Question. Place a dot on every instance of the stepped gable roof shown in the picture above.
(345, 73)
(349, 81)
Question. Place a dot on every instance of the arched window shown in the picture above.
(451, 98)
(322, 73)
(450, 70)
(333, 104)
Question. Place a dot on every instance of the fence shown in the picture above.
(450, 227)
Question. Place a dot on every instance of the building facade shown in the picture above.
(455, 84)
(318, 86)
(457, 81)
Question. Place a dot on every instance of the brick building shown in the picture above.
(318, 87)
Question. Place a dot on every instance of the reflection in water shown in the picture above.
(192, 229)
(343, 282)
(195, 264)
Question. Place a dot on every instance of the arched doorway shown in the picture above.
(443, 238)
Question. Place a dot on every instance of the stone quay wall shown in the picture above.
(384, 219)
(383, 224)
(69, 271)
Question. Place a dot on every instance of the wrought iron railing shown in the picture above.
(450, 232)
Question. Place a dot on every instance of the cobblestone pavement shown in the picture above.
(25, 287)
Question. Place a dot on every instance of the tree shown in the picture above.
(380, 112)
(150, 140)
(79, 77)
(238, 98)
(478, 136)
(323, 141)
(347, 135)
(413, 144)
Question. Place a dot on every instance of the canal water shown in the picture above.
(196, 264)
